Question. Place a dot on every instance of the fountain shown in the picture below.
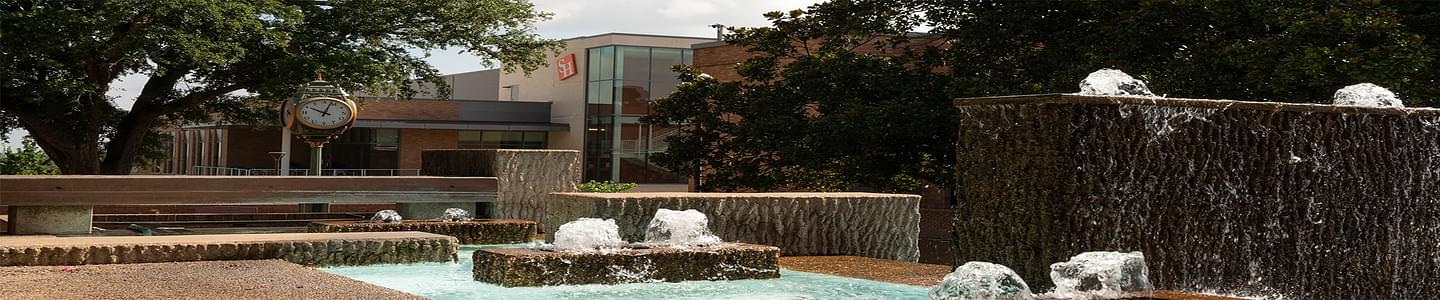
(1101, 274)
(1301, 201)
(590, 251)
(1111, 82)
(386, 216)
(454, 222)
(1367, 94)
(981, 281)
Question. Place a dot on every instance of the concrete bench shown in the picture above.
(64, 204)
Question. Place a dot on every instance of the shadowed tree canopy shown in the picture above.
(224, 57)
(845, 95)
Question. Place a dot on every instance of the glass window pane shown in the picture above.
(592, 64)
(633, 97)
(387, 139)
(493, 136)
(634, 63)
(470, 136)
(607, 63)
(687, 56)
(662, 60)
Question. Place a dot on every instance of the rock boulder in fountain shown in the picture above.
(981, 280)
(1101, 273)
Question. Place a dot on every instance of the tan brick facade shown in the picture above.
(412, 141)
(389, 109)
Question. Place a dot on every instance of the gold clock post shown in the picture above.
(318, 113)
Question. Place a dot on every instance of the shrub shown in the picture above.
(605, 187)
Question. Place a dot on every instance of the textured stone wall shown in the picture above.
(526, 176)
(1306, 201)
(512, 267)
(862, 224)
(474, 232)
(317, 252)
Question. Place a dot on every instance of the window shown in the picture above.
(471, 139)
(621, 80)
(386, 139)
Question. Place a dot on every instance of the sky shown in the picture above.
(575, 18)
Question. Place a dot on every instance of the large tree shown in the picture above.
(226, 57)
(842, 95)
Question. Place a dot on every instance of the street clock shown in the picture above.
(318, 113)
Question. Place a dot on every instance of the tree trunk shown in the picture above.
(129, 138)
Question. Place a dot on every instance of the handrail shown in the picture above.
(226, 171)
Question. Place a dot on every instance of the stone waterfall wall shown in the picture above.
(526, 176)
(523, 176)
(1307, 201)
(863, 224)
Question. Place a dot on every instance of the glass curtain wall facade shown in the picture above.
(621, 80)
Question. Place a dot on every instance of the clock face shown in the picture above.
(287, 113)
(324, 113)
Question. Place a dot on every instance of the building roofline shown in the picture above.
(640, 35)
(468, 72)
(718, 43)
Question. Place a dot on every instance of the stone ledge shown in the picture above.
(489, 231)
(512, 267)
(885, 226)
(320, 249)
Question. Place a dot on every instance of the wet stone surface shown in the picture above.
(489, 231)
(512, 267)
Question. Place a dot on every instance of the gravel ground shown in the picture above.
(244, 279)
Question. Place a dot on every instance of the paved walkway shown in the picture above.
(246, 279)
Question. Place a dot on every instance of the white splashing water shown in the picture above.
(1111, 82)
(455, 215)
(387, 216)
(1367, 94)
(981, 280)
(1102, 274)
(586, 234)
(673, 228)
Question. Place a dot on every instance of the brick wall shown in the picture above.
(719, 61)
(376, 109)
(412, 141)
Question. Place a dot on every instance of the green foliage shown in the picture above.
(841, 96)
(1291, 51)
(28, 160)
(605, 187)
(61, 57)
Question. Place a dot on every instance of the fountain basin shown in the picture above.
(480, 231)
(512, 267)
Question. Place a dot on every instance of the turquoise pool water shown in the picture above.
(453, 281)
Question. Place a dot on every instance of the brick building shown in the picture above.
(590, 98)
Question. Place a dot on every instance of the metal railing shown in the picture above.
(224, 171)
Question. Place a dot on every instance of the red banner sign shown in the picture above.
(565, 66)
